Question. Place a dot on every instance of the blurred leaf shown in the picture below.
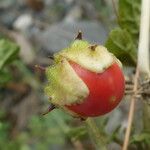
(50, 129)
(2, 114)
(8, 52)
(120, 43)
(77, 132)
(5, 76)
(27, 74)
(129, 17)
(53, 129)
(3, 130)
(25, 147)
(96, 134)
(60, 119)
(143, 137)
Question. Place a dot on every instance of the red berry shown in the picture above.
(85, 80)
(106, 90)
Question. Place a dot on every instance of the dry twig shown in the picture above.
(131, 110)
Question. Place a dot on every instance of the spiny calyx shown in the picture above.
(95, 58)
(64, 86)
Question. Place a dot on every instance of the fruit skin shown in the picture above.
(106, 90)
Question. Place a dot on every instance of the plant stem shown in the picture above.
(143, 49)
(146, 117)
(143, 65)
(95, 133)
(143, 55)
(131, 111)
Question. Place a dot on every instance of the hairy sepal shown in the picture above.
(64, 86)
(96, 60)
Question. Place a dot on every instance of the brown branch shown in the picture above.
(131, 111)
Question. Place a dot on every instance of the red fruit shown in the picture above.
(86, 80)
(106, 90)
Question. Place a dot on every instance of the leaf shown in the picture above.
(129, 17)
(8, 52)
(120, 43)
(50, 129)
(143, 137)
(77, 132)
(5, 76)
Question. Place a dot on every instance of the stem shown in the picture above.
(143, 49)
(143, 65)
(97, 137)
(143, 54)
(146, 117)
(131, 111)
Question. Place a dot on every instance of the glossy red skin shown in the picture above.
(103, 88)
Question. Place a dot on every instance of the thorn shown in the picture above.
(93, 47)
(50, 108)
(62, 61)
(79, 117)
(82, 119)
(51, 57)
(40, 67)
(79, 35)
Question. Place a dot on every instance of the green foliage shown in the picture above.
(8, 53)
(141, 137)
(129, 17)
(123, 41)
(6, 142)
(26, 74)
(121, 45)
(44, 132)
(3, 131)
(141, 140)
(5, 76)
(51, 130)
(77, 132)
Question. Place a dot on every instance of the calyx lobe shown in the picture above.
(64, 86)
(95, 58)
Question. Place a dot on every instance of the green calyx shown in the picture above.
(95, 58)
(64, 86)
